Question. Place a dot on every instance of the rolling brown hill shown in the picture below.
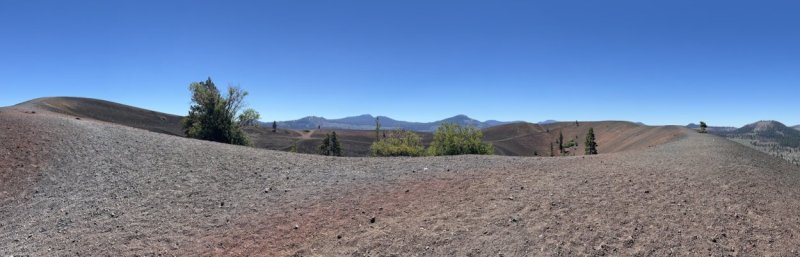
(516, 139)
(90, 188)
(110, 112)
(523, 139)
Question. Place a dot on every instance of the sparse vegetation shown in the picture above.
(790, 154)
(214, 117)
(399, 143)
(452, 139)
(591, 145)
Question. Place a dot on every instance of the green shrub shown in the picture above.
(399, 143)
(452, 139)
(569, 144)
(214, 117)
(249, 117)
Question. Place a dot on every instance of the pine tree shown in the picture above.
(591, 145)
(325, 147)
(703, 127)
(336, 149)
(560, 143)
(377, 129)
(274, 126)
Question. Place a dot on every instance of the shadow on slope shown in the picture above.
(110, 112)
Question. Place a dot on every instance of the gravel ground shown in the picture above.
(80, 187)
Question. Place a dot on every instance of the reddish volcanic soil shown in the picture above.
(82, 187)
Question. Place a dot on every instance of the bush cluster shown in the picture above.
(399, 143)
(449, 139)
(452, 139)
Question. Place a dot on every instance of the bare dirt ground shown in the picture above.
(93, 188)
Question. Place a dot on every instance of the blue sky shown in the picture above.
(658, 62)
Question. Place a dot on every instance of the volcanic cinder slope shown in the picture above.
(515, 139)
(525, 139)
(84, 187)
(110, 112)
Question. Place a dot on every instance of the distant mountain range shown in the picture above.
(367, 122)
(713, 129)
(766, 130)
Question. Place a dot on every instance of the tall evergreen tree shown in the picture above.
(274, 126)
(336, 149)
(591, 145)
(560, 142)
(325, 147)
(703, 127)
(330, 145)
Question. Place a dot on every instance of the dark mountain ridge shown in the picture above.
(367, 122)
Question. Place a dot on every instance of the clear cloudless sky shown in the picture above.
(657, 62)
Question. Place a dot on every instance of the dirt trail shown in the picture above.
(112, 190)
(306, 135)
